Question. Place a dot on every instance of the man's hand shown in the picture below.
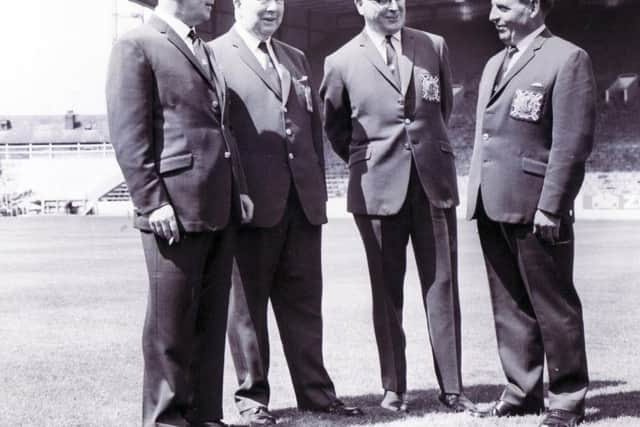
(546, 227)
(246, 205)
(163, 223)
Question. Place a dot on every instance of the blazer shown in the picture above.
(379, 128)
(168, 125)
(279, 133)
(533, 133)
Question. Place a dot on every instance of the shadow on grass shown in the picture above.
(421, 402)
(613, 405)
(424, 402)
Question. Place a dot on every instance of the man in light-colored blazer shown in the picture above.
(168, 120)
(387, 99)
(275, 117)
(534, 132)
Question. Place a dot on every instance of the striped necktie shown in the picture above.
(271, 71)
(200, 52)
(392, 59)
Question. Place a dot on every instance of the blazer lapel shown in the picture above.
(373, 55)
(286, 68)
(526, 57)
(221, 86)
(175, 39)
(250, 60)
(406, 61)
(486, 92)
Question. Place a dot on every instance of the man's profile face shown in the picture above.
(383, 16)
(513, 19)
(260, 17)
(195, 12)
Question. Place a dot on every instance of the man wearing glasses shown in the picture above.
(275, 117)
(387, 99)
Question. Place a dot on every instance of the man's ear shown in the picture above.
(534, 8)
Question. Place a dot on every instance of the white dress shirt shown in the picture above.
(253, 42)
(380, 42)
(523, 45)
(176, 25)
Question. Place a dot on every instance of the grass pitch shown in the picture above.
(72, 300)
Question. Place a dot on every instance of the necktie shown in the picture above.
(200, 52)
(392, 59)
(504, 68)
(271, 71)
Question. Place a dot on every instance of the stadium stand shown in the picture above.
(625, 85)
(58, 164)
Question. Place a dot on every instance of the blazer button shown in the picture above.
(407, 146)
(407, 121)
(288, 131)
(227, 155)
(215, 105)
(485, 137)
(291, 156)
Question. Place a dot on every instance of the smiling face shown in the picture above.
(383, 17)
(194, 12)
(515, 19)
(260, 17)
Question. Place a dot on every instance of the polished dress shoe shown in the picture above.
(338, 408)
(217, 423)
(259, 416)
(395, 402)
(457, 402)
(561, 418)
(506, 409)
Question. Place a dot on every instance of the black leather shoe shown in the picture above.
(505, 409)
(457, 402)
(561, 418)
(395, 402)
(217, 423)
(259, 416)
(339, 408)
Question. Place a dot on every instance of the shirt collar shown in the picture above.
(250, 39)
(524, 44)
(379, 39)
(176, 25)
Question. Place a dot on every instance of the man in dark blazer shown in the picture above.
(387, 99)
(276, 119)
(534, 132)
(167, 111)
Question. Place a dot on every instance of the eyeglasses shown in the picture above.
(386, 3)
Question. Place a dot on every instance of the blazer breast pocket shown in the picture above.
(527, 104)
(303, 90)
(429, 85)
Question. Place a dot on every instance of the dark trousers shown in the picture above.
(537, 312)
(184, 330)
(281, 264)
(433, 235)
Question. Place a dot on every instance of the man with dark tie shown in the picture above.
(387, 99)
(167, 109)
(276, 119)
(534, 132)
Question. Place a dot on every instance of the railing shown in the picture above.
(28, 151)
